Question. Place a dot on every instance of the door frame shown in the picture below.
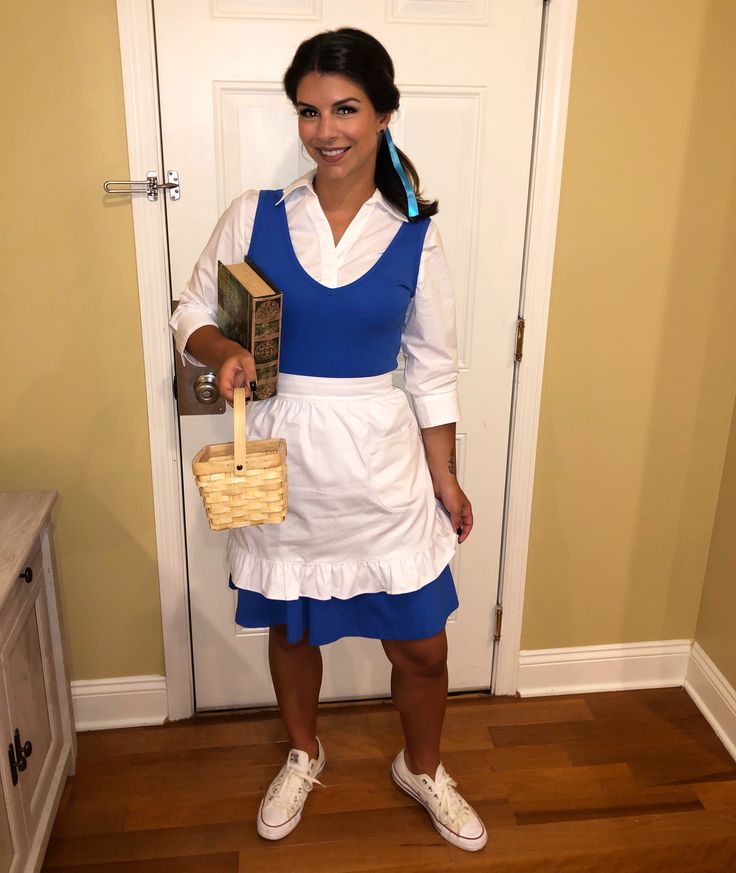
(138, 57)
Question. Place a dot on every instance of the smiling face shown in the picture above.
(339, 128)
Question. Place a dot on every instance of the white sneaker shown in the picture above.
(281, 808)
(453, 818)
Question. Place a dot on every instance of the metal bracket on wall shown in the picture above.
(148, 186)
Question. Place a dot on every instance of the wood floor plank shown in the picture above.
(544, 710)
(201, 733)
(82, 816)
(227, 862)
(616, 806)
(716, 795)
(355, 856)
(673, 763)
(669, 706)
(529, 757)
(149, 845)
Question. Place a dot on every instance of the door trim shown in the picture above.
(138, 56)
(137, 51)
(555, 65)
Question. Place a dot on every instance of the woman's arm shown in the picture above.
(439, 446)
(194, 323)
(430, 345)
(198, 301)
(429, 339)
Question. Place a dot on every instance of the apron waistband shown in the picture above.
(316, 387)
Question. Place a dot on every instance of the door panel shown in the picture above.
(467, 72)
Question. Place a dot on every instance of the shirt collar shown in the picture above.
(304, 184)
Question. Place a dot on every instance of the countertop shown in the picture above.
(22, 515)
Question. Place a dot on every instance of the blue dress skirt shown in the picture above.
(381, 616)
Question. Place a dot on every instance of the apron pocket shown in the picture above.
(396, 465)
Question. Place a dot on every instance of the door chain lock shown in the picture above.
(148, 186)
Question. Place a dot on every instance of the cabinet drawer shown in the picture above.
(21, 592)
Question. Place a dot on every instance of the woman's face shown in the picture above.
(339, 127)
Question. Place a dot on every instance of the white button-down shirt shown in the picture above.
(429, 338)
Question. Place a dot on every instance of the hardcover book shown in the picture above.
(249, 312)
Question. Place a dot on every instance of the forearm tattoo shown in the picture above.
(452, 464)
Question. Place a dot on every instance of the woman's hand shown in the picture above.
(236, 371)
(439, 446)
(234, 365)
(453, 498)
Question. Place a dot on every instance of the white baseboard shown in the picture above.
(603, 668)
(713, 696)
(126, 701)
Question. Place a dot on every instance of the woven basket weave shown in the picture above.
(242, 482)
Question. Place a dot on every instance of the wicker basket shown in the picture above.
(242, 482)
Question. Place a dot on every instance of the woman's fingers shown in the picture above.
(459, 509)
(466, 522)
(237, 371)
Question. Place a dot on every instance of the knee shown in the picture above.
(427, 658)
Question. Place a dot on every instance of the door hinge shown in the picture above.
(520, 323)
(499, 618)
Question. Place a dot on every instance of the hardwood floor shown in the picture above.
(626, 782)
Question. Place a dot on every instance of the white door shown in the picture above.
(467, 71)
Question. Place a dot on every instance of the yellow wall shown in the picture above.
(74, 406)
(640, 370)
(639, 379)
(715, 631)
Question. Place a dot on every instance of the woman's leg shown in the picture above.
(296, 672)
(419, 690)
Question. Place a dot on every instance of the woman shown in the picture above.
(375, 508)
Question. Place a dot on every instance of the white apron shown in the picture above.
(362, 515)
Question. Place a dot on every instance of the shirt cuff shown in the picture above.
(184, 324)
(432, 410)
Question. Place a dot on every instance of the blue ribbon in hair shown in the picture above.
(411, 197)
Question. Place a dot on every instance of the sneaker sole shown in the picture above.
(269, 832)
(470, 844)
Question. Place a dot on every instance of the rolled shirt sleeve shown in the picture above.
(429, 341)
(229, 243)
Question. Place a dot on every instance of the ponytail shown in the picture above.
(390, 185)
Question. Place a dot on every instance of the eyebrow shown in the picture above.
(336, 103)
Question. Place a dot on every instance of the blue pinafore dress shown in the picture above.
(365, 546)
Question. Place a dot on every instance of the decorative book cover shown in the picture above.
(249, 312)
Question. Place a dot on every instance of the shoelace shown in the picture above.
(289, 784)
(452, 807)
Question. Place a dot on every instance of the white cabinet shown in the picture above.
(7, 849)
(36, 724)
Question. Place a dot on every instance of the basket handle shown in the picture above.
(239, 447)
